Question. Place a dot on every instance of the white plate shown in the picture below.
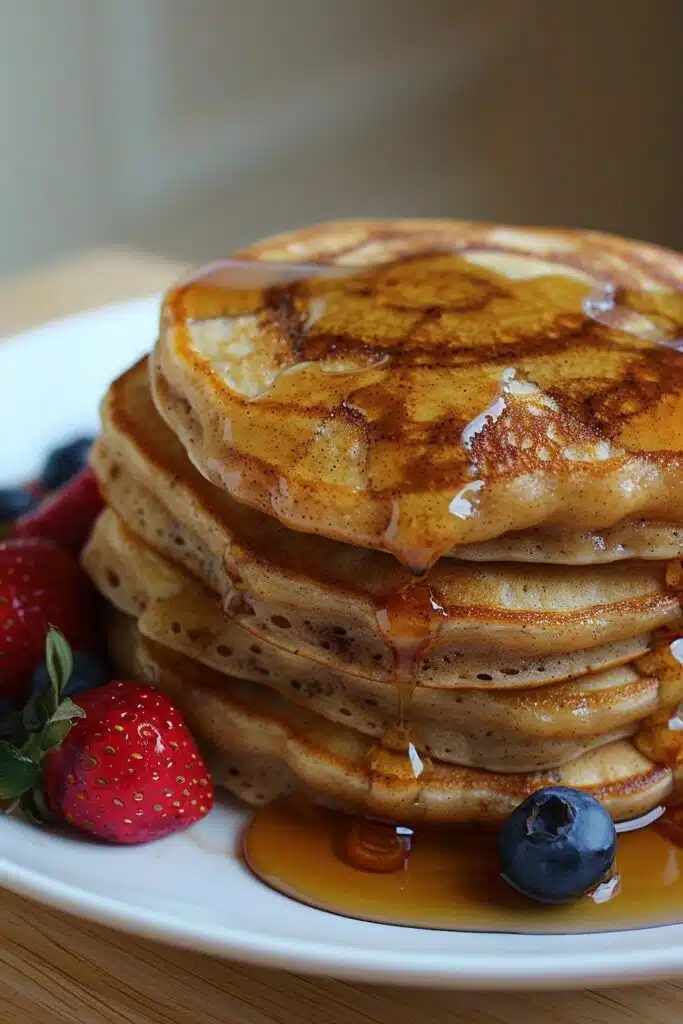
(192, 889)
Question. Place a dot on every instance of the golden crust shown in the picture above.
(367, 441)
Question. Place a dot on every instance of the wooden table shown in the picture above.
(57, 968)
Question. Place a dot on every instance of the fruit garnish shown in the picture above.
(28, 735)
(130, 771)
(40, 586)
(15, 502)
(67, 516)
(557, 846)
(120, 764)
(35, 489)
(65, 462)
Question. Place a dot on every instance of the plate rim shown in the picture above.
(474, 973)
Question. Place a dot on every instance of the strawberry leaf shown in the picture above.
(36, 712)
(59, 724)
(18, 771)
(67, 712)
(54, 733)
(32, 747)
(59, 661)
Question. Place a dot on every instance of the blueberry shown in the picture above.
(10, 723)
(88, 672)
(64, 462)
(557, 845)
(14, 502)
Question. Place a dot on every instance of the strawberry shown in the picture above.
(40, 585)
(121, 765)
(129, 771)
(67, 515)
(35, 489)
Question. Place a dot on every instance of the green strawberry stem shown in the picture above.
(45, 721)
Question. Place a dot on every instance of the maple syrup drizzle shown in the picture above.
(381, 871)
(409, 618)
(458, 279)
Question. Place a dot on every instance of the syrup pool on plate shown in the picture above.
(448, 878)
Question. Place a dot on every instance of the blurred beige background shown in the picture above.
(191, 126)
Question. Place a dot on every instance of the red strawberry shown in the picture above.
(40, 585)
(129, 771)
(35, 489)
(67, 515)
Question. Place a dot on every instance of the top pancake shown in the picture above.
(457, 382)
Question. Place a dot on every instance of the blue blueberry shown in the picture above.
(88, 672)
(15, 502)
(64, 462)
(557, 845)
(10, 723)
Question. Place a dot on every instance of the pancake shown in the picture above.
(116, 557)
(454, 383)
(506, 622)
(259, 731)
(635, 539)
(500, 730)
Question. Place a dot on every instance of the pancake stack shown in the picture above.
(399, 526)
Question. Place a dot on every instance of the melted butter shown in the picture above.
(450, 879)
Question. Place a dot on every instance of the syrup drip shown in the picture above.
(409, 619)
(506, 418)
